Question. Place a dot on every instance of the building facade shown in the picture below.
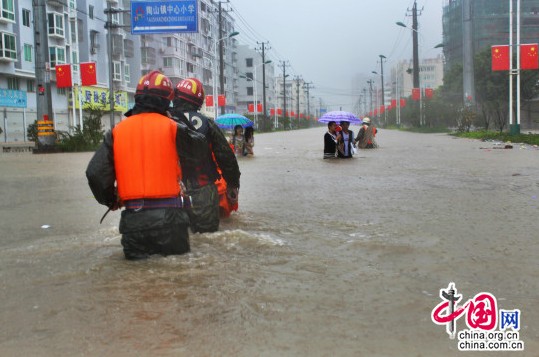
(78, 32)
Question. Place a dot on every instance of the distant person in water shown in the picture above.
(249, 141)
(365, 137)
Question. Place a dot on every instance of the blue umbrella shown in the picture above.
(229, 121)
(338, 117)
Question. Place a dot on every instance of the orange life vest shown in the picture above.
(145, 157)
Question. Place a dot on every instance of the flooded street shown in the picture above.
(324, 257)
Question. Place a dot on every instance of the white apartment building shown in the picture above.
(77, 34)
(250, 80)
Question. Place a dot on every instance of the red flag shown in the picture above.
(403, 102)
(63, 76)
(259, 108)
(279, 111)
(272, 112)
(416, 94)
(88, 75)
(292, 114)
(528, 56)
(251, 108)
(382, 109)
(429, 93)
(301, 115)
(500, 58)
(221, 100)
(393, 103)
(209, 101)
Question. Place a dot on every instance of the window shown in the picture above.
(117, 74)
(75, 60)
(27, 49)
(116, 18)
(91, 11)
(127, 73)
(30, 86)
(249, 90)
(72, 4)
(57, 55)
(56, 24)
(26, 17)
(249, 75)
(61, 91)
(249, 62)
(168, 62)
(94, 44)
(13, 83)
(7, 8)
(8, 49)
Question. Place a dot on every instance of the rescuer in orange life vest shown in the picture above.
(141, 154)
(220, 161)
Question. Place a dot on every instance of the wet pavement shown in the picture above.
(325, 257)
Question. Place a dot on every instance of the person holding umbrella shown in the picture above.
(346, 141)
(202, 180)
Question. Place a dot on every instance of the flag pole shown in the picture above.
(516, 129)
(510, 63)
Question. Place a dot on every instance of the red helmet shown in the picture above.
(190, 90)
(157, 84)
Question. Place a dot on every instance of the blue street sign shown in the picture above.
(164, 16)
(12, 98)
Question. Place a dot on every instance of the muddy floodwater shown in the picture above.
(324, 258)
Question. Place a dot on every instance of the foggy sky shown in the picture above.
(331, 42)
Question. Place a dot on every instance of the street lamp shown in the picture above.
(221, 64)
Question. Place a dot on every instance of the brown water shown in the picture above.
(324, 258)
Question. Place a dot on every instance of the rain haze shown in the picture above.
(336, 44)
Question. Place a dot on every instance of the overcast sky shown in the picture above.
(329, 43)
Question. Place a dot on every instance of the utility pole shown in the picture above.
(468, 55)
(365, 101)
(284, 65)
(42, 66)
(221, 53)
(415, 45)
(370, 81)
(263, 48)
(298, 78)
(307, 87)
(109, 27)
(382, 58)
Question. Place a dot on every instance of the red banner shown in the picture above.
(251, 108)
(500, 58)
(528, 56)
(88, 75)
(221, 100)
(209, 100)
(302, 115)
(382, 109)
(63, 76)
(403, 102)
(292, 114)
(272, 112)
(279, 111)
(416, 94)
(429, 92)
(259, 108)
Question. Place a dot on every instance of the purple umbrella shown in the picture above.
(339, 116)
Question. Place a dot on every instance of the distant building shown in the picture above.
(490, 26)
